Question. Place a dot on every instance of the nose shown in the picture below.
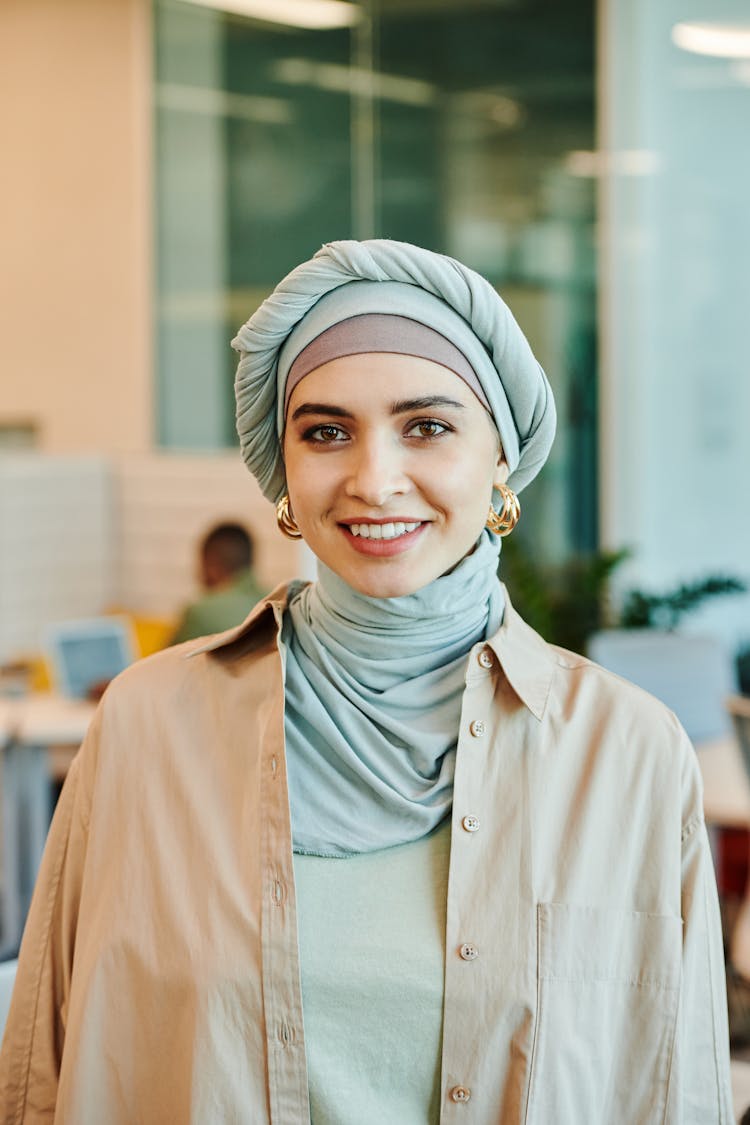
(377, 472)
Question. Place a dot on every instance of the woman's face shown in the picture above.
(390, 463)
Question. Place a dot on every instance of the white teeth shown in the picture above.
(382, 530)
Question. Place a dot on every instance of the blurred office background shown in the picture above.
(165, 162)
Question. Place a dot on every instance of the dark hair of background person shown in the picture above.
(227, 549)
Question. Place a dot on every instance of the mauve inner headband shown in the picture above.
(382, 332)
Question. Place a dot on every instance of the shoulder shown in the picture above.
(559, 684)
(586, 685)
(592, 715)
(640, 737)
(191, 705)
(202, 662)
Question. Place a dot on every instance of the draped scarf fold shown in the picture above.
(373, 702)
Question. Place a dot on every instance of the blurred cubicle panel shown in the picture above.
(57, 544)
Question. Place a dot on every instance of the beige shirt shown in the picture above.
(159, 974)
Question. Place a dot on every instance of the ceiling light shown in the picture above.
(318, 15)
(721, 40)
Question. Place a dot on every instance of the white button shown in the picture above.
(485, 658)
(471, 823)
(478, 728)
(468, 952)
(460, 1094)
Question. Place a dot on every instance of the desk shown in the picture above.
(726, 789)
(30, 727)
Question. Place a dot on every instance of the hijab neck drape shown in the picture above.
(373, 703)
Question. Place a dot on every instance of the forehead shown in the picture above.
(375, 380)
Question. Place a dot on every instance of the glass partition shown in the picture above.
(461, 125)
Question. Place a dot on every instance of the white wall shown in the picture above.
(57, 545)
(675, 301)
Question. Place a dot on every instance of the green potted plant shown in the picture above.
(569, 602)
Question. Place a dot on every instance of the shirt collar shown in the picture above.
(526, 659)
(269, 608)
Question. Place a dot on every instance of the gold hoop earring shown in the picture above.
(285, 519)
(502, 523)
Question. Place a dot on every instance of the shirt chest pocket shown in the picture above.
(607, 997)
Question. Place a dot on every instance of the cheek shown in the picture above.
(294, 466)
(469, 481)
(310, 483)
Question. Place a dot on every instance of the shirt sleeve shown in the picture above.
(705, 1085)
(35, 1030)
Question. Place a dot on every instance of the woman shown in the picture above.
(380, 854)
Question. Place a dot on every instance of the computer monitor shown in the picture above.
(87, 651)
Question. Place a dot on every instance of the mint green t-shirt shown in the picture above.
(372, 957)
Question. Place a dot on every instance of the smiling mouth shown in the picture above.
(382, 530)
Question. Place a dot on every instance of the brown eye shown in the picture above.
(427, 428)
(324, 435)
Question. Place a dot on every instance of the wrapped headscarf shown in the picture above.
(382, 276)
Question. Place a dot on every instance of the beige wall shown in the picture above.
(75, 225)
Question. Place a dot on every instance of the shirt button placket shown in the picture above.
(468, 951)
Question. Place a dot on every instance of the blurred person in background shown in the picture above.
(380, 854)
(226, 575)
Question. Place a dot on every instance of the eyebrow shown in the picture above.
(404, 405)
(320, 408)
(401, 406)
